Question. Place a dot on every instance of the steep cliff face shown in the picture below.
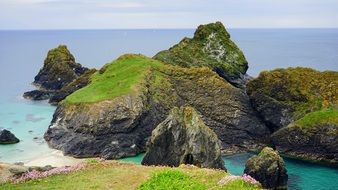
(183, 138)
(115, 113)
(59, 69)
(210, 47)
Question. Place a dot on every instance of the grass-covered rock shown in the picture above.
(125, 100)
(59, 69)
(313, 137)
(210, 47)
(300, 106)
(282, 96)
(183, 138)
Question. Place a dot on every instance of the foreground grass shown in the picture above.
(116, 175)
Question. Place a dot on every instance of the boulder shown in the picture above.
(114, 115)
(268, 168)
(183, 138)
(212, 47)
(59, 70)
(6, 137)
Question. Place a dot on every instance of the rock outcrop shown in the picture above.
(116, 112)
(300, 106)
(282, 96)
(183, 138)
(6, 137)
(314, 137)
(59, 70)
(210, 47)
(75, 85)
(268, 168)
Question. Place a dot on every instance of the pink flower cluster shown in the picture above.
(245, 177)
(249, 179)
(36, 174)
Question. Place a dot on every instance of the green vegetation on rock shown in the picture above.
(210, 47)
(120, 77)
(328, 116)
(282, 96)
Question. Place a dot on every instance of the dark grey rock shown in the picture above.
(6, 137)
(183, 138)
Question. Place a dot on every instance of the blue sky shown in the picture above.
(106, 14)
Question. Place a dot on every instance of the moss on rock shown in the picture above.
(183, 138)
(268, 168)
(210, 47)
(285, 95)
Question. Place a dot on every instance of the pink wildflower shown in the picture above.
(31, 175)
(249, 179)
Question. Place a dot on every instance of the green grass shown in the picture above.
(117, 175)
(322, 117)
(172, 179)
(120, 77)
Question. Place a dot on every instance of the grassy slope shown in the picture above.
(325, 116)
(115, 175)
(120, 77)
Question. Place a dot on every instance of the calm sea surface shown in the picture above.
(22, 54)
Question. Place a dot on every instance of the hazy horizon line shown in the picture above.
(58, 29)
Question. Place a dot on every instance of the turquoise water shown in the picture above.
(22, 54)
(302, 175)
(27, 120)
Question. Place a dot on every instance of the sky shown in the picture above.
(130, 14)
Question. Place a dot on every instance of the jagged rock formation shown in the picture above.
(76, 84)
(282, 96)
(268, 168)
(6, 137)
(211, 47)
(183, 138)
(314, 137)
(59, 70)
(115, 113)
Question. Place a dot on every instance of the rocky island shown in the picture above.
(59, 70)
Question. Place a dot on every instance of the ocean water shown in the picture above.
(22, 54)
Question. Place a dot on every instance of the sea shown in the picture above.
(22, 54)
